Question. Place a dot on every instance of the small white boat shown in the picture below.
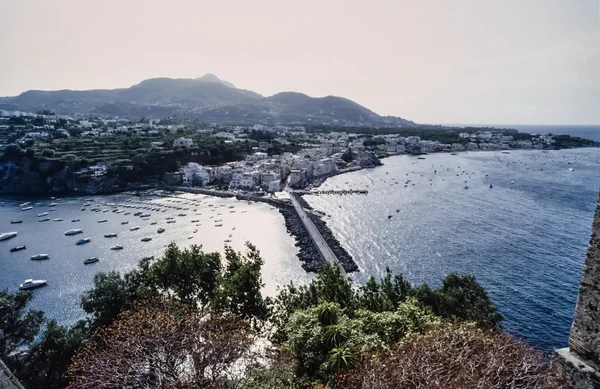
(134, 228)
(90, 260)
(83, 241)
(42, 214)
(58, 219)
(25, 204)
(26, 208)
(110, 235)
(40, 256)
(571, 169)
(8, 235)
(117, 247)
(74, 231)
(52, 205)
(30, 284)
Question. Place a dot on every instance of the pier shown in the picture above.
(311, 229)
(321, 244)
(332, 192)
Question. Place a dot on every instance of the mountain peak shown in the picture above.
(209, 77)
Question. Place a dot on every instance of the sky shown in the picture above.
(431, 61)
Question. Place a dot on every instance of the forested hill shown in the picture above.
(208, 98)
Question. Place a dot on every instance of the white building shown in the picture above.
(242, 180)
(195, 174)
(183, 142)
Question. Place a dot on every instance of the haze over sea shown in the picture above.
(525, 241)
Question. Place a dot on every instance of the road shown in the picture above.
(316, 236)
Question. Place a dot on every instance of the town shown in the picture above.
(257, 158)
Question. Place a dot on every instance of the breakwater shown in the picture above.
(343, 257)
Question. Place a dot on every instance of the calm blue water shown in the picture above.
(68, 277)
(525, 242)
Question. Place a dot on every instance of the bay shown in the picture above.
(68, 278)
(525, 239)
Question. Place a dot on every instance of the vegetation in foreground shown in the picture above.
(194, 319)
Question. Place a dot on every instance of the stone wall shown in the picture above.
(585, 333)
(580, 363)
(7, 379)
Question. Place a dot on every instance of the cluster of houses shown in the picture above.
(259, 171)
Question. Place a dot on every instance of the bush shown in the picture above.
(163, 344)
(454, 356)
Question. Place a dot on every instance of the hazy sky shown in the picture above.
(434, 61)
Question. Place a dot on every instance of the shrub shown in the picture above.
(454, 356)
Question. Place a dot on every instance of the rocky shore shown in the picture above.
(342, 255)
(308, 254)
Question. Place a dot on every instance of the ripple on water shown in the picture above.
(525, 241)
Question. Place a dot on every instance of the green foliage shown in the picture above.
(326, 338)
(241, 283)
(190, 275)
(462, 297)
(49, 357)
(111, 295)
(17, 327)
(348, 156)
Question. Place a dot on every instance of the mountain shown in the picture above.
(207, 98)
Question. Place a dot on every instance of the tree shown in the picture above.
(45, 364)
(190, 275)
(461, 296)
(17, 327)
(453, 356)
(347, 156)
(163, 344)
(111, 295)
(241, 283)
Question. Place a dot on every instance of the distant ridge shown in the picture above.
(207, 98)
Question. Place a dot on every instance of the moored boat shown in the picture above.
(74, 220)
(102, 221)
(8, 235)
(160, 230)
(44, 219)
(40, 256)
(134, 228)
(117, 247)
(123, 223)
(110, 235)
(90, 260)
(18, 248)
(30, 284)
(83, 241)
(146, 239)
(42, 214)
(73, 231)
(26, 208)
(16, 221)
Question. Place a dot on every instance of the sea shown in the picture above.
(519, 221)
